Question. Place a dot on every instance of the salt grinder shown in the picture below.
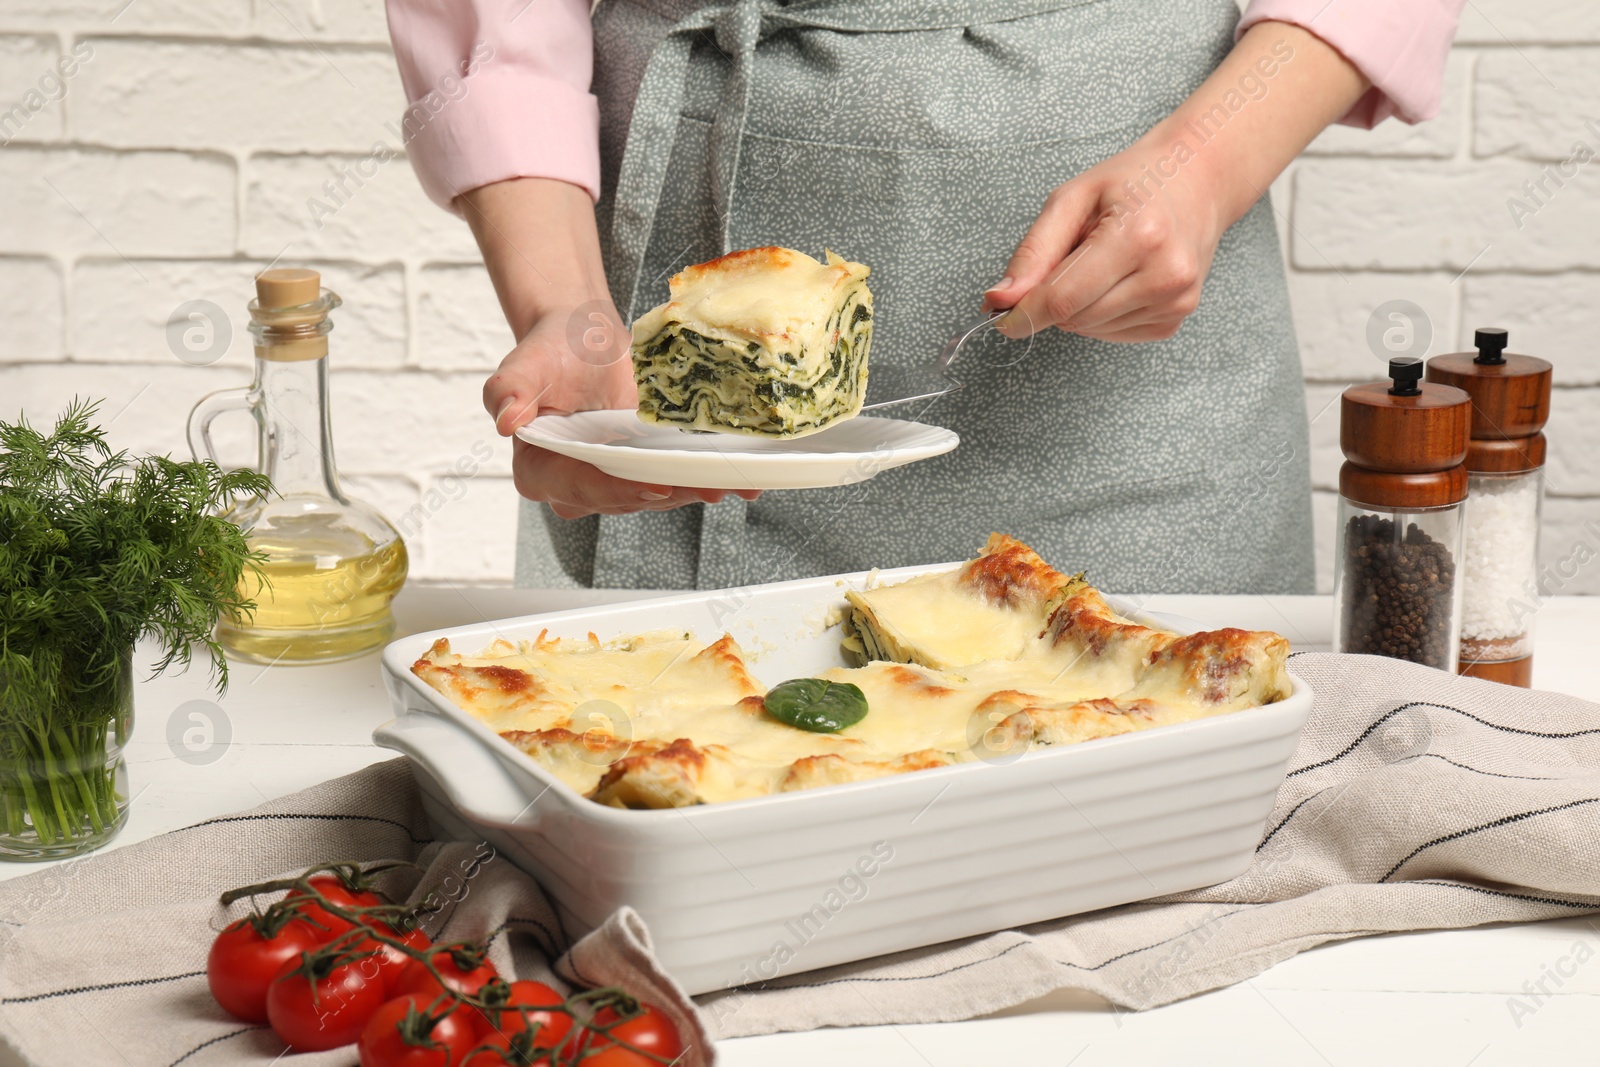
(1396, 583)
(1505, 488)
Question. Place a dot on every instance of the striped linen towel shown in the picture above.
(1417, 800)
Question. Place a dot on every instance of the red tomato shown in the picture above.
(242, 964)
(650, 1031)
(464, 977)
(496, 1051)
(325, 1014)
(391, 1039)
(335, 892)
(390, 962)
(550, 1026)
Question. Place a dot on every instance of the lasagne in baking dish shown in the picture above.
(766, 341)
(991, 658)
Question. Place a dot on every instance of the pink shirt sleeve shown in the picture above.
(499, 89)
(1400, 45)
(496, 89)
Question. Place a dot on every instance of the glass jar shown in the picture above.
(1396, 585)
(1500, 566)
(63, 780)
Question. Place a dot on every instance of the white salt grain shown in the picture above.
(1502, 520)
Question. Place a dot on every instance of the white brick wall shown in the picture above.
(191, 137)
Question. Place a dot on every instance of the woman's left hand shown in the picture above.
(1121, 251)
(1105, 261)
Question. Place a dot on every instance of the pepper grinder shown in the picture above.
(1505, 489)
(1401, 490)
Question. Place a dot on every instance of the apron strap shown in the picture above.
(651, 133)
(738, 33)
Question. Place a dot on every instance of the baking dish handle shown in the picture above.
(473, 780)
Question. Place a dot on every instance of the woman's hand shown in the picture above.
(1094, 265)
(574, 362)
(573, 355)
(1120, 252)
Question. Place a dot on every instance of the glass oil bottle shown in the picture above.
(333, 564)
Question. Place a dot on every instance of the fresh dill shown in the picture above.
(99, 551)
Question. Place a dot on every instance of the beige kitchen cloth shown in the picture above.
(1417, 800)
(102, 959)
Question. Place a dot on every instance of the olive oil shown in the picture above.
(331, 564)
(317, 607)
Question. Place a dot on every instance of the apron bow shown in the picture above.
(737, 28)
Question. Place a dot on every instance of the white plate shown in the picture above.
(851, 451)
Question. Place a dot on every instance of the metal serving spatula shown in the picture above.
(890, 386)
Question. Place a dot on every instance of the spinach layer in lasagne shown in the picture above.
(766, 341)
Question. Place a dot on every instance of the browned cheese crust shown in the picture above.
(992, 658)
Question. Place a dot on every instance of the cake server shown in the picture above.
(890, 386)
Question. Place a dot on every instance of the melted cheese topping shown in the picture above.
(646, 678)
(1001, 652)
(934, 624)
(993, 608)
(778, 298)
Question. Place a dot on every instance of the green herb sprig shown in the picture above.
(97, 551)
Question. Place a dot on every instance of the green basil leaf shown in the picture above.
(817, 705)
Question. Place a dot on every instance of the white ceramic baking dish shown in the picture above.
(738, 892)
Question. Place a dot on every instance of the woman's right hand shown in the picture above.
(577, 361)
(540, 246)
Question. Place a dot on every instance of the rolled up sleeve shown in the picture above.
(496, 89)
(1400, 45)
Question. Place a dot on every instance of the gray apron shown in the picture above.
(921, 138)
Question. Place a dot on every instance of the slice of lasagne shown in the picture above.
(1010, 607)
(977, 662)
(766, 341)
(993, 607)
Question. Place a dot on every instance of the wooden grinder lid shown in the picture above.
(1510, 400)
(1405, 440)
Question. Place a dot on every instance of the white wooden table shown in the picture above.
(1418, 999)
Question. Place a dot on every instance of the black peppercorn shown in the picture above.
(1398, 592)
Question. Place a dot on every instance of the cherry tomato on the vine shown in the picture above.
(499, 1050)
(335, 892)
(390, 962)
(551, 1026)
(243, 962)
(463, 970)
(649, 1031)
(325, 1013)
(405, 1033)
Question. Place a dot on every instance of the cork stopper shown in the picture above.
(289, 316)
(1510, 393)
(287, 287)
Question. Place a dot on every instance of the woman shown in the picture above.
(1098, 167)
